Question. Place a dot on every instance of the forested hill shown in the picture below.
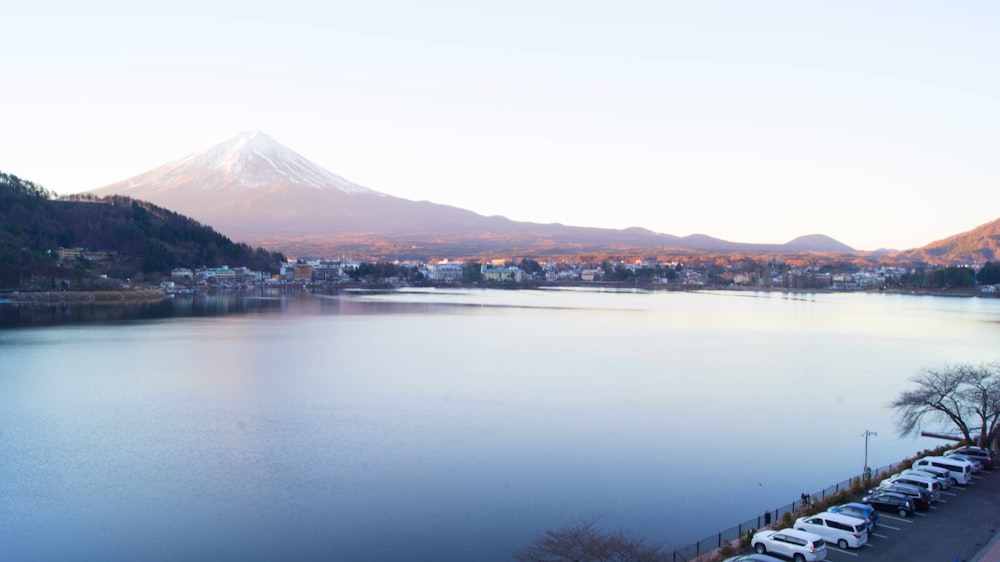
(144, 238)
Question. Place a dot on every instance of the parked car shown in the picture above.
(939, 475)
(929, 485)
(753, 558)
(921, 499)
(889, 502)
(843, 530)
(984, 456)
(977, 465)
(800, 546)
(960, 470)
(859, 510)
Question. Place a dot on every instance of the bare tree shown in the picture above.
(960, 395)
(584, 543)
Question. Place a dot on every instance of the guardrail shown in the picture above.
(709, 544)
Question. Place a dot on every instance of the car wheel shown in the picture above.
(760, 548)
(799, 557)
(842, 544)
(903, 513)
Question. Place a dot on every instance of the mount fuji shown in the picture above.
(254, 189)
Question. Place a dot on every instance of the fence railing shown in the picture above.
(713, 542)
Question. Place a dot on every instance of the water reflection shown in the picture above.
(16, 315)
(38, 314)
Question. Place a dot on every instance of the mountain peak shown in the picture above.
(255, 160)
(250, 160)
(252, 141)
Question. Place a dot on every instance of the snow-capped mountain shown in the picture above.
(250, 160)
(251, 184)
(254, 189)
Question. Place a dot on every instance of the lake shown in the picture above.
(446, 425)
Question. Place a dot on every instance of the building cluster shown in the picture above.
(502, 271)
(699, 272)
(65, 255)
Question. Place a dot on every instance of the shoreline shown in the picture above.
(20, 297)
(82, 297)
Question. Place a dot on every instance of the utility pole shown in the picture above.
(868, 471)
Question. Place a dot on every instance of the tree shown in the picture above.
(532, 267)
(959, 395)
(472, 272)
(989, 274)
(584, 543)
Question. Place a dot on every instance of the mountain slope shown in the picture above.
(144, 237)
(978, 245)
(252, 188)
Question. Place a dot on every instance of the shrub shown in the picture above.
(727, 549)
(857, 486)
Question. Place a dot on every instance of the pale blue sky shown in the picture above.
(876, 123)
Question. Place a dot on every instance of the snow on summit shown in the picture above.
(248, 160)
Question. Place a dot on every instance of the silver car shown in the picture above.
(800, 546)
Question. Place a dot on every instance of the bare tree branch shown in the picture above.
(964, 396)
(584, 543)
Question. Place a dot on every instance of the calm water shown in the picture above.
(446, 426)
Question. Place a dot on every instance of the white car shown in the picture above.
(842, 530)
(977, 465)
(800, 546)
(984, 456)
(941, 478)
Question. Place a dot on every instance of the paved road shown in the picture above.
(963, 527)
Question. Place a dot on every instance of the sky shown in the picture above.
(874, 122)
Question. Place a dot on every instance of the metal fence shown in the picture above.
(709, 544)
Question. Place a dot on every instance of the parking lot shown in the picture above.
(955, 528)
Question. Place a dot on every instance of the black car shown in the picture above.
(920, 499)
(889, 501)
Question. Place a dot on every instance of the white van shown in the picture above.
(929, 484)
(959, 470)
(842, 530)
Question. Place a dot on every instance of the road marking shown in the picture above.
(900, 519)
(949, 494)
(881, 526)
(880, 536)
(828, 547)
(920, 514)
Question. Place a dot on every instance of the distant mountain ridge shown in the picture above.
(979, 245)
(252, 188)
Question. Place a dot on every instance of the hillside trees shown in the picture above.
(143, 238)
(953, 277)
(963, 396)
(946, 277)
